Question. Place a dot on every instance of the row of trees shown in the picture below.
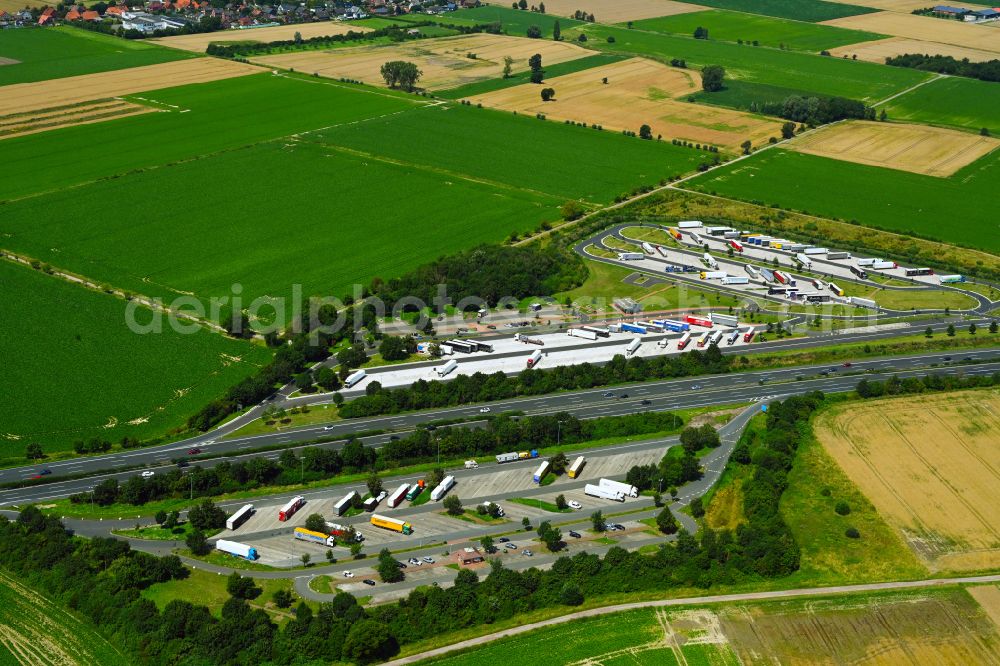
(984, 71)
(243, 49)
(934, 382)
(675, 469)
(816, 110)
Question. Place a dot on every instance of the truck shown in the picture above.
(818, 298)
(542, 470)
(577, 467)
(782, 277)
(302, 534)
(715, 339)
(816, 250)
(633, 328)
(860, 273)
(443, 370)
(293, 505)
(345, 503)
(819, 284)
(651, 326)
(598, 331)
(397, 497)
(387, 523)
(838, 255)
(911, 272)
(648, 248)
(603, 493)
(673, 325)
(717, 231)
(835, 289)
(748, 334)
(237, 549)
(736, 245)
(794, 247)
(698, 321)
(705, 337)
(630, 256)
(767, 274)
(803, 259)
(689, 224)
(712, 275)
(675, 233)
(710, 261)
(696, 239)
(732, 337)
(633, 347)
(884, 265)
(370, 504)
(662, 250)
(354, 378)
(624, 488)
(777, 291)
(520, 337)
(463, 346)
(867, 261)
(343, 532)
(535, 358)
(752, 270)
(862, 302)
(471, 464)
(951, 279)
(446, 484)
(525, 455)
(683, 342)
(508, 457)
(240, 517)
(415, 490)
(581, 333)
(724, 319)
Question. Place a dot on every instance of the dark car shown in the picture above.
(623, 395)
(193, 452)
(848, 364)
(394, 438)
(647, 402)
(368, 581)
(44, 472)
(183, 463)
(575, 535)
(401, 565)
(503, 539)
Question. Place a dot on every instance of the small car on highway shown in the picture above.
(327, 428)
(147, 474)
(484, 410)
(40, 473)
(573, 504)
(368, 581)
(193, 452)
(647, 402)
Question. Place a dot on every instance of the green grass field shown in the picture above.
(954, 102)
(512, 21)
(957, 209)
(729, 26)
(36, 630)
(55, 53)
(72, 367)
(799, 10)
(551, 71)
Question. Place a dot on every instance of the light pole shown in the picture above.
(558, 432)
(302, 470)
(191, 479)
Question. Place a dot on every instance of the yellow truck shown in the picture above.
(391, 524)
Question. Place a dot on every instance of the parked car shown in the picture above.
(512, 546)
(368, 581)
(147, 474)
(414, 561)
(193, 452)
(428, 559)
(401, 565)
(527, 552)
(348, 574)
(575, 535)
(503, 539)
(381, 496)
(573, 504)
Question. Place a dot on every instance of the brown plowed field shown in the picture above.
(621, 11)
(880, 49)
(932, 151)
(638, 92)
(445, 62)
(931, 467)
(199, 42)
(24, 97)
(923, 28)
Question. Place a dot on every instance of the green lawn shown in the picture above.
(551, 71)
(799, 10)
(204, 588)
(512, 21)
(894, 200)
(730, 26)
(55, 53)
(73, 369)
(954, 102)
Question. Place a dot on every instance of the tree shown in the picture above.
(282, 598)
(883, 116)
(550, 536)
(327, 379)
(400, 73)
(541, 8)
(972, 329)
(852, 533)
(173, 520)
(34, 451)
(241, 587)
(570, 595)
(508, 65)
(984, 131)
(487, 542)
(437, 476)
(548, 94)
(929, 332)
(207, 516)
(842, 508)
(712, 78)
(316, 523)
(666, 522)
(556, 33)
(746, 146)
(397, 348)
(374, 484)
(388, 568)
(304, 381)
(597, 521)
(572, 210)
(160, 517)
(453, 505)
(697, 507)
(951, 330)
(329, 556)
(534, 32)
(788, 130)
(356, 549)
(306, 558)
(526, 523)
(369, 641)
(645, 132)
(558, 463)
(197, 543)
(701, 33)
(561, 503)
(993, 327)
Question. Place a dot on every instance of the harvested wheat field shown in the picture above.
(880, 49)
(621, 11)
(42, 120)
(988, 597)
(931, 467)
(199, 42)
(24, 97)
(637, 92)
(923, 28)
(445, 61)
(932, 151)
(904, 6)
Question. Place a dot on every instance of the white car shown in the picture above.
(428, 559)
(414, 561)
(348, 574)
(147, 474)
(328, 428)
(381, 496)
(484, 410)
(573, 504)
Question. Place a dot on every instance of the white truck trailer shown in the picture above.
(443, 488)
(624, 488)
(582, 333)
(604, 493)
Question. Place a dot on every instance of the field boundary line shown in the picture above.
(279, 72)
(909, 90)
(697, 601)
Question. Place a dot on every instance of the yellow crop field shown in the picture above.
(445, 62)
(931, 466)
(200, 41)
(924, 28)
(621, 11)
(880, 49)
(636, 92)
(932, 151)
(904, 6)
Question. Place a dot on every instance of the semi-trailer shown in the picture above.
(302, 534)
(597, 330)
(345, 503)
(662, 250)
(819, 284)
(705, 337)
(794, 247)
(464, 346)
(736, 245)
(951, 279)
(633, 328)
(624, 488)
(862, 302)
(816, 250)
(867, 261)
(818, 298)
(521, 337)
(715, 339)
(603, 493)
(354, 378)
(396, 498)
(648, 248)
(343, 532)
(415, 490)
(581, 333)
(777, 291)
(710, 261)
(838, 255)
(748, 334)
(370, 504)
(535, 358)
(675, 233)
(577, 467)
(884, 265)
(446, 484)
(650, 326)
(443, 370)
(293, 505)
(241, 516)
(237, 549)
(387, 523)
(633, 347)
(731, 234)
(542, 470)
(782, 277)
(712, 275)
(911, 272)
(804, 259)
(514, 456)
(837, 290)
(767, 274)
(735, 279)
(673, 325)
(724, 319)
(696, 239)
(630, 256)
(732, 337)
(860, 273)
(752, 270)
(689, 224)
(717, 231)
(698, 321)
(684, 340)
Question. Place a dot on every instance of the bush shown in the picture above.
(842, 508)
(852, 533)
